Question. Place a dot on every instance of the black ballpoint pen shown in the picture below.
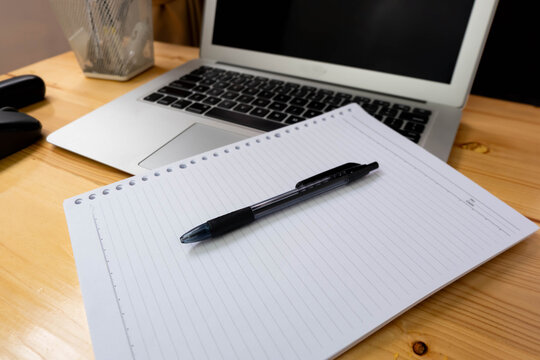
(304, 190)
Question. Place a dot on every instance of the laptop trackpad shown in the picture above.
(194, 140)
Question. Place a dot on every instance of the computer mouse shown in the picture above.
(17, 131)
(21, 91)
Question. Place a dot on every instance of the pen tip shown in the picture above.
(199, 233)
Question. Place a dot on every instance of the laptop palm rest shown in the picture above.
(194, 140)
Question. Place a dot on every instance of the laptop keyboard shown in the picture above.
(267, 104)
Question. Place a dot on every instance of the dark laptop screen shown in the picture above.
(414, 38)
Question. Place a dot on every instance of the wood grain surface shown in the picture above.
(491, 313)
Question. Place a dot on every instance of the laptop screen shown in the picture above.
(414, 38)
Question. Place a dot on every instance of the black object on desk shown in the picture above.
(21, 91)
(18, 130)
(306, 189)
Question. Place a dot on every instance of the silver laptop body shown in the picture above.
(134, 134)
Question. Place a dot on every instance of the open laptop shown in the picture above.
(264, 65)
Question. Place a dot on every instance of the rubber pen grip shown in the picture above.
(229, 222)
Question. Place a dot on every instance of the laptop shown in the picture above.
(264, 65)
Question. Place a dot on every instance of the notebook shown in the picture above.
(305, 283)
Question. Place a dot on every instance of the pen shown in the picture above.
(305, 189)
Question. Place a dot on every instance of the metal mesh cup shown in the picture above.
(112, 39)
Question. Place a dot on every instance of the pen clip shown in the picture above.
(336, 172)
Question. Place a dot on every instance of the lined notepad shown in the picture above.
(305, 283)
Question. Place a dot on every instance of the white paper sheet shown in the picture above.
(307, 282)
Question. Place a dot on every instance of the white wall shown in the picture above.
(28, 33)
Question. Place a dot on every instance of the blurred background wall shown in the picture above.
(28, 33)
(510, 66)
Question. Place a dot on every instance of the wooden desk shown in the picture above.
(492, 313)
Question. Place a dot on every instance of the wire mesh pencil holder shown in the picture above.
(112, 39)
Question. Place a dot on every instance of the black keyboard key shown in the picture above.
(208, 82)
(282, 98)
(226, 78)
(298, 101)
(182, 84)
(344, 95)
(261, 102)
(414, 127)
(200, 71)
(167, 100)
(267, 86)
(243, 108)
(246, 99)
(422, 111)
(197, 97)
(333, 100)
(378, 117)
(394, 123)
(243, 119)
(330, 107)
(277, 116)
(308, 88)
(201, 88)
(415, 137)
(198, 108)
(260, 112)
(227, 104)
(282, 90)
(311, 113)
(153, 97)
(236, 88)
(266, 94)
(292, 119)
(212, 100)
(253, 83)
(420, 118)
(239, 80)
(292, 85)
(276, 82)
(191, 78)
(229, 95)
(222, 85)
(315, 105)
(212, 75)
(174, 91)
(215, 92)
(325, 92)
(315, 96)
(388, 111)
(381, 102)
(202, 68)
(361, 100)
(294, 110)
(251, 91)
(370, 108)
(277, 106)
(299, 93)
(214, 70)
(401, 107)
(180, 104)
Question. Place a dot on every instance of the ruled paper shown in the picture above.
(307, 282)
